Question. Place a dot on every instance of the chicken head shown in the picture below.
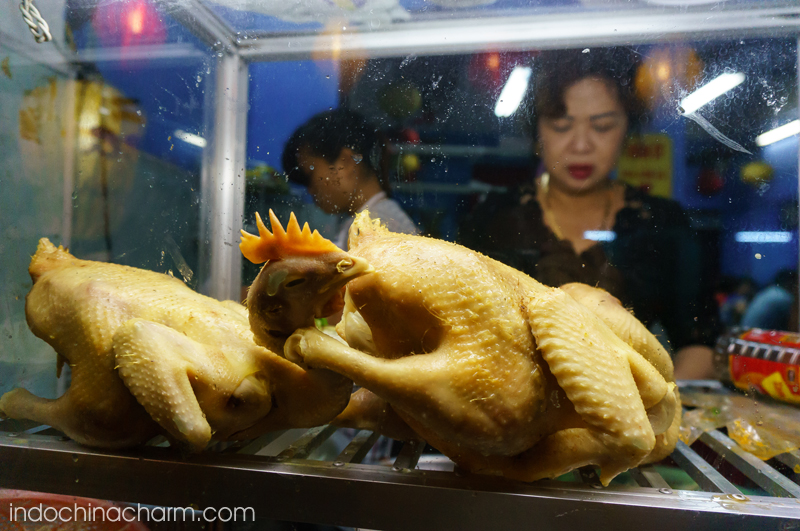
(303, 278)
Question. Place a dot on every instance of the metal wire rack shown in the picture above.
(278, 475)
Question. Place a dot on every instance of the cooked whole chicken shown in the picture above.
(148, 355)
(499, 372)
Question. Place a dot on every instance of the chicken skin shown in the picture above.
(499, 372)
(149, 355)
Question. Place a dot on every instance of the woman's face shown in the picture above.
(581, 148)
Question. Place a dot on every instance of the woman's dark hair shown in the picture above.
(326, 134)
(556, 71)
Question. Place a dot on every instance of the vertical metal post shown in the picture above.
(797, 73)
(69, 109)
(223, 180)
(70, 133)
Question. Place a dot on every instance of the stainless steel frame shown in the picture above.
(584, 29)
(223, 180)
(290, 486)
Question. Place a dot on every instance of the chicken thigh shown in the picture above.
(499, 372)
(148, 354)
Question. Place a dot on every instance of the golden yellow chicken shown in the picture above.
(499, 372)
(149, 354)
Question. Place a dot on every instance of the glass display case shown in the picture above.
(149, 133)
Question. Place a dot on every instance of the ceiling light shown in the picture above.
(713, 89)
(600, 235)
(513, 92)
(779, 133)
(763, 237)
(190, 138)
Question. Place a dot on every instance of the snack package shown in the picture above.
(767, 361)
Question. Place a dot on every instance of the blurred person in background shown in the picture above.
(733, 296)
(775, 306)
(339, 157)
(572, 222)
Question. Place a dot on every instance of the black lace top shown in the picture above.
(652, 265)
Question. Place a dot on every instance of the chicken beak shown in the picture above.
(348, 269)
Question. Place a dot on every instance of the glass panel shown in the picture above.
(103, 135)
(33, 102)
(646, 147)
(456, 160)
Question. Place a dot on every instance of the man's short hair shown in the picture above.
(326, 134)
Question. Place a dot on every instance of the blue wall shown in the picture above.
(759, 209)
(284, 95)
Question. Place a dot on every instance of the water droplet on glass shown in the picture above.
(199, 79)
(311, 167)
(358, 158)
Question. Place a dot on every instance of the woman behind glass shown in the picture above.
(574, 223)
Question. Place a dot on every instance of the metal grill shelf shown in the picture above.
(289, 486)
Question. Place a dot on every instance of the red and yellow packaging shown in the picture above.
(767, 361)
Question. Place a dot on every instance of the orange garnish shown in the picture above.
(281, 243)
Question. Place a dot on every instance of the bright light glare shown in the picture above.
(513, 91)
(600, 235)
(190, 138)
(136, 19)
(713, 89)
(763, 237)
(779, 133)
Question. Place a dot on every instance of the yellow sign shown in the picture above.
(646, 162)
